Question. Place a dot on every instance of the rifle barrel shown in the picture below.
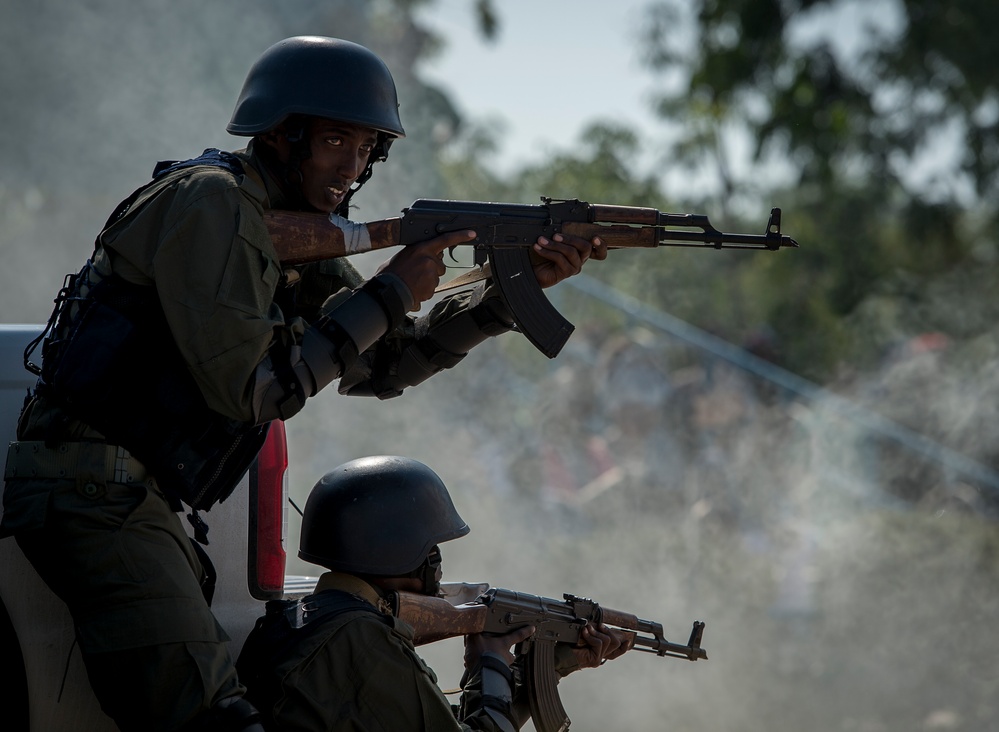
(663, 647)
(710, 237)
(725, 241)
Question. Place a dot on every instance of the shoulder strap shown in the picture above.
(211, 156)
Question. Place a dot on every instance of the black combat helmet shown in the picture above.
(319, 77)
(378, 516)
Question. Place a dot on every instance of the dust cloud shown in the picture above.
(847, 579)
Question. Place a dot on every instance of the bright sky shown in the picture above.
(557, 65)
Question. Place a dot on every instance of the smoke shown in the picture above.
(847, 581)
(94, 93)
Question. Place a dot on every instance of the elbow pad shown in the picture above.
(368, 313)
(291, 374)
(443, 345)
(352, 324)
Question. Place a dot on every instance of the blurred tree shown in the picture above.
(878, 125)
(600, 169)
(843, 90)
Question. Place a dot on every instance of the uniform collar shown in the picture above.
(353, 585)
(275, 196)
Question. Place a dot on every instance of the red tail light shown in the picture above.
(268, 515)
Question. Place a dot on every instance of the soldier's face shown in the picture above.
(340, 153)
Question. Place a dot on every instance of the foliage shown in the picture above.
(917, 71)
(847, 126)
(853, 123)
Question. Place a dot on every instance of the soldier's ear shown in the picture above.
(277, 140)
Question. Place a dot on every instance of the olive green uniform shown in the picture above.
(97, 527)
(359, 671)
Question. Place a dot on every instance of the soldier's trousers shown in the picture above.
(121, 561)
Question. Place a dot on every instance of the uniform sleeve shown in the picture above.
(216, 276)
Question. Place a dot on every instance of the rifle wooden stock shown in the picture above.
(434, 618)
(300, 237)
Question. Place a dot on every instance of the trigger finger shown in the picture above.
(455, 238)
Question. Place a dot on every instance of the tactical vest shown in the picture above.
(108, 359)
(282, 629)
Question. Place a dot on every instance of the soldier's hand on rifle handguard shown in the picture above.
(598, 644)
(562, 256)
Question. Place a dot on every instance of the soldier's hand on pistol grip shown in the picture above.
(421, 265)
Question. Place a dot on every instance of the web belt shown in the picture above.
(95, 460)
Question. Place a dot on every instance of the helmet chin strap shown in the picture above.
(379, 154)
(344, 207)
(299, 152)
(430, 573)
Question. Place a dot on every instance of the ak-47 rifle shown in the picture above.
(506, 233)
(502, 611)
